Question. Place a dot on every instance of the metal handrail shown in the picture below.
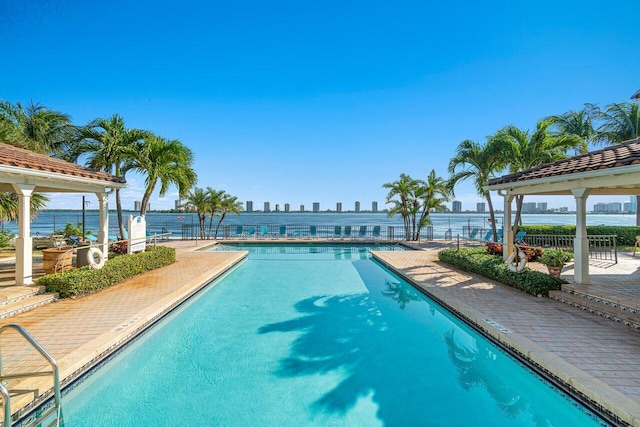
(54, 372)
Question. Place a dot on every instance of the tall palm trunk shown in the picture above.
(492, 215)
(119, 214)
(215, 236)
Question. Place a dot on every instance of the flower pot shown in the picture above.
(554, 271)
(57, 259)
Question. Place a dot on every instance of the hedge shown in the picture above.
(626, 234)
(84, 281)
(477, 260)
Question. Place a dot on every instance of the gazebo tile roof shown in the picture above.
(624, 154)
(21, 158)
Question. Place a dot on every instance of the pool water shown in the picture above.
(309, 335)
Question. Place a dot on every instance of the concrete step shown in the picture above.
(25, 304)
(9, 294)
(599, 306)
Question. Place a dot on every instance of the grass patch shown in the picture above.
(84, 281)
(477, 260)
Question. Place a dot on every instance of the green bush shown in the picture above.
(477, 260)
(83, 281)
(626, 234)
(5, 237)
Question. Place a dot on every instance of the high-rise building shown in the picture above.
(301, 208)
(267, 207)
(138, 204)
(249, 206)
(456, 206)
(277, 207)
(481, 207)
(339, 207)
(634, 204)
(316, 206)
(542, 207)
(357, 207)
(287, 207)
(614, 207)
(177, 205)
(529, 207)
(374, 206)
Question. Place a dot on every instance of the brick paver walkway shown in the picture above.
(598, 357)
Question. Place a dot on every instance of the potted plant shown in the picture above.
(555, 259)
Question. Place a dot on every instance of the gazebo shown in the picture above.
(614, 170)
(25, 172)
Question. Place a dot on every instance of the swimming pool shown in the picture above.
(314, 335)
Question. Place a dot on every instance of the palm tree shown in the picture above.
(403, 204)
(519, 150)
(621, 122)
(9, 208)
(165, 161)
(579, 123)
(109, 146)
(198, 199)
(215, 202)
(228, 204)
(479, 163)
(36, 128)
(432, 195)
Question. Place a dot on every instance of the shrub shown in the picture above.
(84, 281)
(555, 257)
(531, 252)
(5, 237)
(476, 260)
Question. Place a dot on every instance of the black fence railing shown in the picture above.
(327, 232)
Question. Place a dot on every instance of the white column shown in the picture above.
(103, 226)
(581, 241)
(24, 242)
(507, 236)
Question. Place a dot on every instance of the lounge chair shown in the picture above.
(376, 232)
(488, 237)
(313, 231)
(92, 238)
(347, 231)
(474, 234)
(240, 231)
(500, 235)
(362, 232)
(337, 232)
(251, 232)
(264, 231)
(520, 236)
(283, 231)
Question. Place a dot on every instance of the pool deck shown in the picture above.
(597, 357)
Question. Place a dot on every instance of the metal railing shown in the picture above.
(602, 247)
(41, 416)
(327, 232)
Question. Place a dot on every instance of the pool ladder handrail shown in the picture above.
(56, 381)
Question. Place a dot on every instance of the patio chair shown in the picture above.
(240, 231)
(347, 231)
(264, 231)
(251, 232)
(283, 231)
(520, 236)
(313, 231)
(376, 232)
(362, 232)
(500, 235)
(474, 234)
(488, 237)
(337, 232)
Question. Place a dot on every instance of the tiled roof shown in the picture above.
(21, 158)
(624, 154)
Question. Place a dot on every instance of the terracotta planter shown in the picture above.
(554, 271)
(55, 260)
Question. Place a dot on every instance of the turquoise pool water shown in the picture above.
(315, 336)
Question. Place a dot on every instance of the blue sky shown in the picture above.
(301, 102)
